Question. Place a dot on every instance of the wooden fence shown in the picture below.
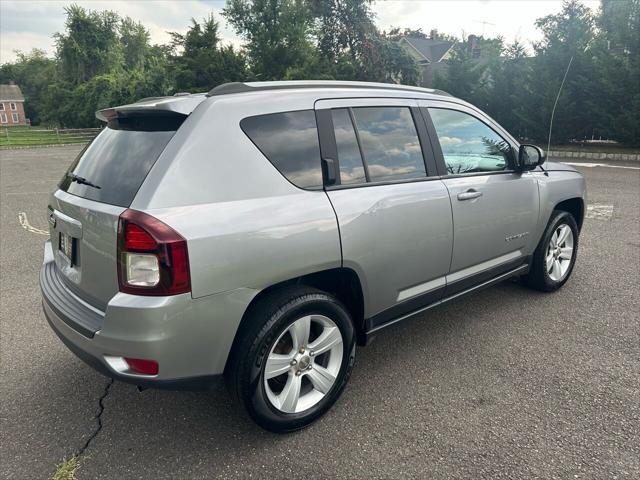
(32, 136)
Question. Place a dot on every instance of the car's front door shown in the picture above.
(495, 208)
(395, 221)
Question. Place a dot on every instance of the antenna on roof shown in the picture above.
(484, 24)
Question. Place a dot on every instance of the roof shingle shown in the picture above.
(431, 49)
(11, 92)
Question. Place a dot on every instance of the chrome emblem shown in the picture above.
(516, 236)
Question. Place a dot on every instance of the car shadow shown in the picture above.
(156, 427)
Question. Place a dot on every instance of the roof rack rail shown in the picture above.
(244, 87)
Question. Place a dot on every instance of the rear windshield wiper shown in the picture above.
(81, 180)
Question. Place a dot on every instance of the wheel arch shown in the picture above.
(341, 282)
(574, 206)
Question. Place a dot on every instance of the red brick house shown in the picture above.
(12, 106)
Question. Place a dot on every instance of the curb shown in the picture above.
(628, 157)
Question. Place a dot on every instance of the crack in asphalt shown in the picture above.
(98, 417)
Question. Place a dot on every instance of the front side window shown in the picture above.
(468, 145)
(289, 140)
(351, 167)
(390, 143)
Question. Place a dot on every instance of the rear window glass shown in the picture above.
(290, 141)
(390, 143)
(118, 160)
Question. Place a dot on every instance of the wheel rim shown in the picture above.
(303, 364)
(559, 252)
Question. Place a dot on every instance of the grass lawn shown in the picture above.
(28, 136)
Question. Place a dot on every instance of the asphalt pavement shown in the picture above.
(506, 383)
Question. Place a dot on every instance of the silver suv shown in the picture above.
(262, 230)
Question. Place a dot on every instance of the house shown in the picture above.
(430, 54)
(12, 106)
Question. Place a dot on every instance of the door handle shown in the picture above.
(469, 195)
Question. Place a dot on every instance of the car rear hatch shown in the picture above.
(101, 184)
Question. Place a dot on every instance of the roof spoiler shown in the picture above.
(243, 87)
(181, 105)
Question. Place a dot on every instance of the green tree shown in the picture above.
(396, 33)
(509, 95)
(33, 72)
(350, 43)
(203, 62)
(134, 38)
(384, 60)
(90, 46)
(343, 27)
(277, 34)
(102, 60)
(565, 35)
(472, 69)
(616, 54)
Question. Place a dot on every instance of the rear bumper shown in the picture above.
(205, 382)
(189, 338)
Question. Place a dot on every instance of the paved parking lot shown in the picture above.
(505, 383)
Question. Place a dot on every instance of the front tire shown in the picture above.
(556, 253)
(292, 359)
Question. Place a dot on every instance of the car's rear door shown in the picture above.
(395, 221)
(495, 208)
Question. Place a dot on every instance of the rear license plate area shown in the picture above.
(67, 247)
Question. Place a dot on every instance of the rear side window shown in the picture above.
(117, 161)
(290, 141)
(351, 167)
(390, 143)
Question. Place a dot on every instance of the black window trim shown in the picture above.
(441, 165)
(319, 188)
(329, 149)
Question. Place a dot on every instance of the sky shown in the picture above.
(27, 24)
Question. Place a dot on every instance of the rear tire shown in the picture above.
(292, 359)
(555, 255)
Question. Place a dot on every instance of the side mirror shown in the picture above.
(530, 156)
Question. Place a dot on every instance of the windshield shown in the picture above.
(113, 166)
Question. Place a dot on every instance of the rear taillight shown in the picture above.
(152, 257)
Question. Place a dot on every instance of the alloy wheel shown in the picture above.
(559, 252)
(303, 364)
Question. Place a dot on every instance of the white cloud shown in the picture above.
(448, 141)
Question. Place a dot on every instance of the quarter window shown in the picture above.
(468, 145)
(351, 167)
(390, 143)
(289, 140)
